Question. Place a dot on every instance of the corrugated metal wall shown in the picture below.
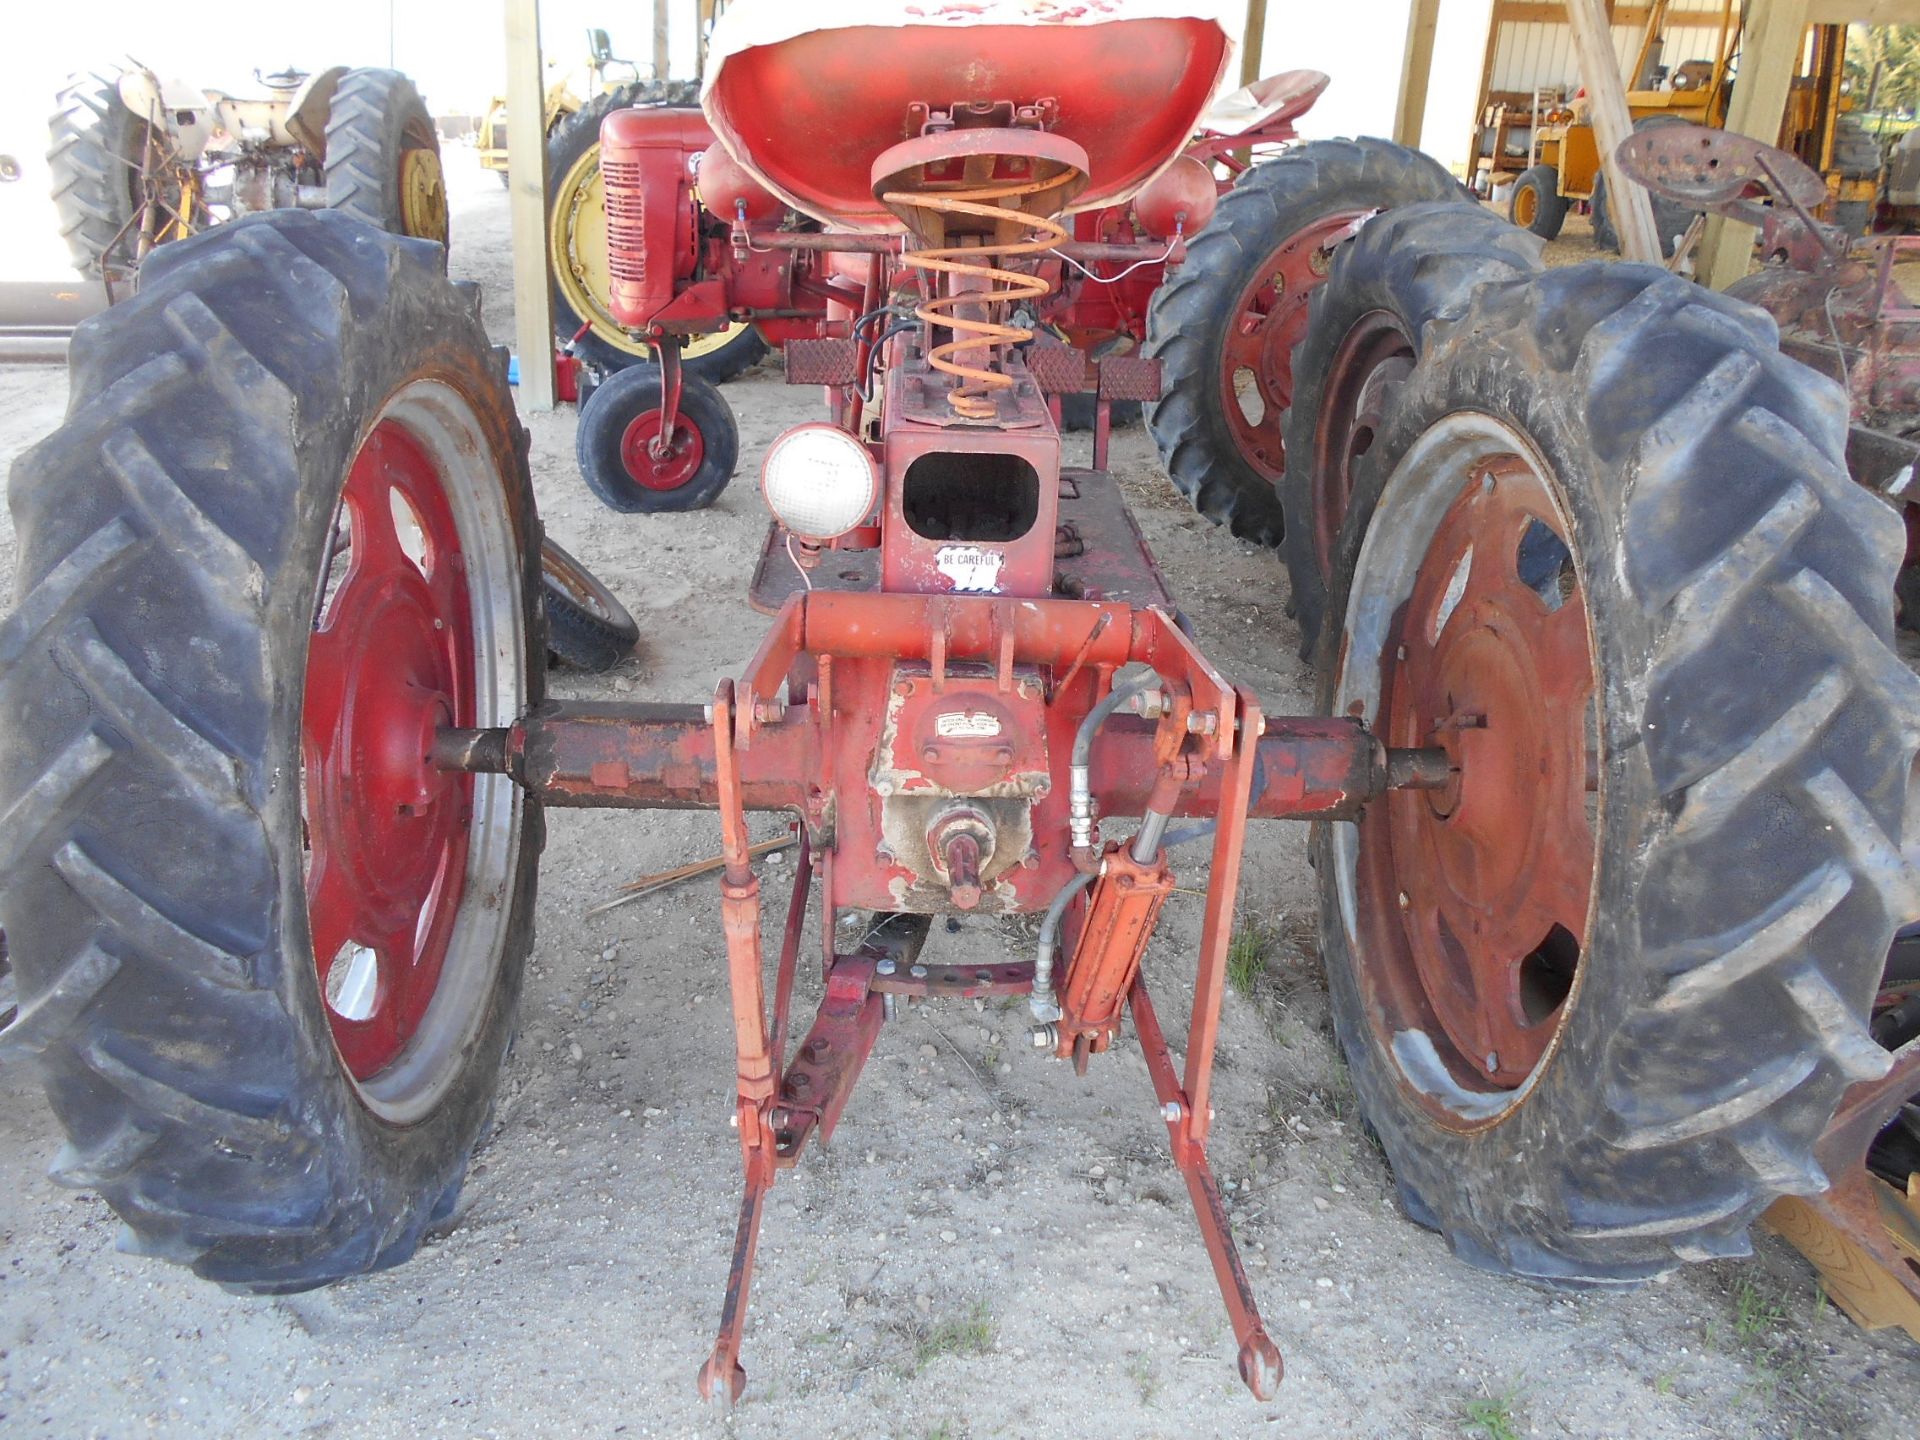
(1530, 54)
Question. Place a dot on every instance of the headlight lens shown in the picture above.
(819, 481)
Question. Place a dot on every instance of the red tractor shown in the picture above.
(1610, 773)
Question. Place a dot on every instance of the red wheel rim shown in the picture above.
(390, 662)
(1474, 900)
(1269, 320)
(1374, 356)
(664, 472)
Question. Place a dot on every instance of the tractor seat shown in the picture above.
(1278, 98)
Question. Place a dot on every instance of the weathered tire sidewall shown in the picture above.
(1560, 1114)
(414, 339)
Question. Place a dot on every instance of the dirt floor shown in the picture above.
(991, 1247)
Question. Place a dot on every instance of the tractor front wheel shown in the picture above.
(1601, 993)
(1224, 327)
(626, 463)
(269, 954)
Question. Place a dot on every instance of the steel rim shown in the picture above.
(1526, 206)
(423, 194)
(1269, 319)
(577, 235)
(1375, 354)
(418, 625)
(668, 472)
(1468, 909)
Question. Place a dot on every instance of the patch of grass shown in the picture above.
(1491, 1417)
(1141, 1372)
(969, 1334)
(1663, 1383)
(1249, 953)
(943, 1431)
(1755, 1316)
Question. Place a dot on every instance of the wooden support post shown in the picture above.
(1628, 204)
(660, 60)
(527, 192)
(1416, 68)
(1255, 36)
(1772, 34)
(705, 13)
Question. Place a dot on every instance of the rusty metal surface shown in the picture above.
(1476, 894)
(1862, 1206)
(1129, 377)
(635, 755)
(1122, 909)
(1060, 369)
(828, 361)
(1717, 170)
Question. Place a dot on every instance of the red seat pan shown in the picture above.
(807, 96)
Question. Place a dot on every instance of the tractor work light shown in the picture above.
(820, 482)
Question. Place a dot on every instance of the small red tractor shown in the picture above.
(1609, 781)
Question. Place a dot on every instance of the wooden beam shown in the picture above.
(660, 61)
(1416, 69)
(1628, 204)
(1255, 36)
(1773, 34)
(527, 193)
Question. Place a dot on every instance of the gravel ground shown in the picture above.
(991, 1244)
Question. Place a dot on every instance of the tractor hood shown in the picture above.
(807, 96)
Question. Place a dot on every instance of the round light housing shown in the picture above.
(819, 481)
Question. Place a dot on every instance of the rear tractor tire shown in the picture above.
(1225, 325)
(1601, 994)
(613, 443)
(1403, 272)
(383, 156)
(268, 955)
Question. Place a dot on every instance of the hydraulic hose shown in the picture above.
(1041, 1001)
(1080, 805)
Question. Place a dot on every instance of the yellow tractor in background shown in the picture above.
(1563, 155)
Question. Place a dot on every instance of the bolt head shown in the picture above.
(1171, 1112)
(919, 972)
(733, 1120)
(885, 967)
